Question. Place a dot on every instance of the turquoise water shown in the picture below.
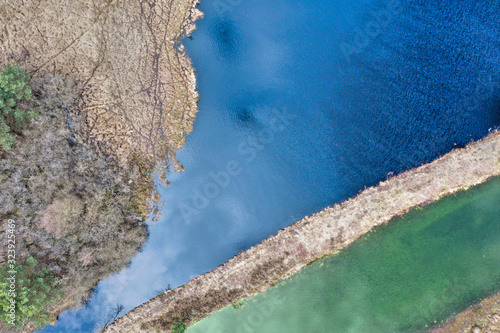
(309, 122)
(417, 271)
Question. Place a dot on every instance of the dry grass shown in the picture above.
(136, 90)
(116, 96)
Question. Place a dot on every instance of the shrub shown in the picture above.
(34, 290)
(14, 88)
(178, 327)
(62, 215)
(73, 200)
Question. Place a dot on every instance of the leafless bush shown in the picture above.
(78, 212)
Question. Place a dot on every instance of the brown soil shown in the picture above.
(315, 237)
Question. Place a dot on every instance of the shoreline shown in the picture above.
(118, 96)
(315, 237)
(481, 317)
(135, 87)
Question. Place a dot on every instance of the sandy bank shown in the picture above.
(314, 237)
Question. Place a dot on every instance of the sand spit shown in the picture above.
(315, 237)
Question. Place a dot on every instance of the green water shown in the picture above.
(403, 277)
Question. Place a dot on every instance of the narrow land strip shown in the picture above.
(315, 237)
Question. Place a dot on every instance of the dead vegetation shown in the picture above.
(73, 206)
(136, 91)
(115, 97)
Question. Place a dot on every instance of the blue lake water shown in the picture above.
(303, 104)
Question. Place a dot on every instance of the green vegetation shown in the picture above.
(14, 89)
(237, 304)
(178, 327)
(35, 289)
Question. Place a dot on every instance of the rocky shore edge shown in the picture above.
(315, 237)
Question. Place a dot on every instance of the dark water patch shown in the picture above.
(227, 38)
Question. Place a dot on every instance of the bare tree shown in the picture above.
(112, 316)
